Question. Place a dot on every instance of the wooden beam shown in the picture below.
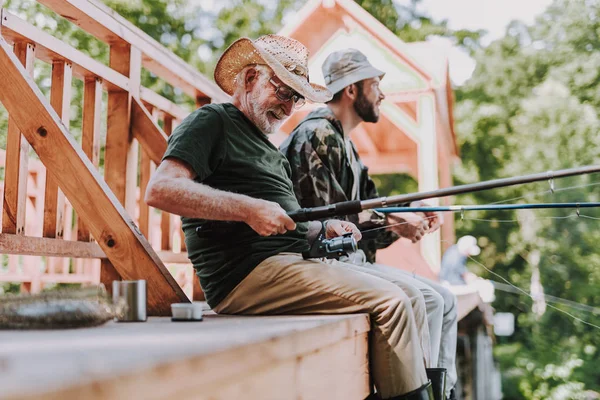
(90, 135)
(166, 239)
(119, 147)
(147, 132)
(108, 26)
(16, 164)
(60, 99)
(163, 104)
(50, 49)
(127, 249)
(146, 167)
(49, 247)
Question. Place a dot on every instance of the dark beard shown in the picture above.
(363, 107)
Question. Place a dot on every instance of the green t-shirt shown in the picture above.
(229, 153)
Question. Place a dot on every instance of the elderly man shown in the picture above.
(326, 168)
(220, 165)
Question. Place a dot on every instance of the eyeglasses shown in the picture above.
(285, 93)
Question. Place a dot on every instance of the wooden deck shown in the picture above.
(222, 357)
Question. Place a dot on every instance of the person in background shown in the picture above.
(454, 262)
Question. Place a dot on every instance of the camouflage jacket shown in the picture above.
(322, 175)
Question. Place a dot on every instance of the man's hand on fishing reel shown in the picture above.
(335, 228)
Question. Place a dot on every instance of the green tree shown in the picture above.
(531, 106)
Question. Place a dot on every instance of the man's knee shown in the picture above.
(434, 300)
(391, 302)
(450, 301)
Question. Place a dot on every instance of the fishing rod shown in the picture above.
(487, 207)
(356, 206)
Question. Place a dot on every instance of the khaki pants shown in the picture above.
(442, 314)
(442, 317)
(288, 284)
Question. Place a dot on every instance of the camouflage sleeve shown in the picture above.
(314, 166)
(329, 147)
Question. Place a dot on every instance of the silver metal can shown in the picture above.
(131, 294)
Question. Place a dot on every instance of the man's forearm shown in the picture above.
(187, 198)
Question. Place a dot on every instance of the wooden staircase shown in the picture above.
(105, 201)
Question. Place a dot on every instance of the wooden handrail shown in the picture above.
(50, 49)
(108, 26)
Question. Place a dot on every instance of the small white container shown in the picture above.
(186, 311)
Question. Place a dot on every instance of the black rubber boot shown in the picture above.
(422, 393)
(437, 376)
(452, 394)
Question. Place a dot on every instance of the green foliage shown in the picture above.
(531, 106)
(395, 184)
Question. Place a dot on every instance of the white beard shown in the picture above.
(260, 118)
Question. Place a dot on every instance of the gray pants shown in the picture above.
(441, 308)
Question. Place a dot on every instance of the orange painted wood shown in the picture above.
(50, 49)
(16, 171)
(90, 135)
(108, 26)
(108, 274)
(60, 99)
(165, 218)
(127, 249)
(197, 293)
(119, 146)
(147, 132)
(165, 231)
(145, 172)
(163, 104)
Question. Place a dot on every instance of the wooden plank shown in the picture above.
(36, 246)
(67, 278)
(108, 26)
(163, 104)
(170, 257)
(16, 162)
(166, 240)
(50, 49)
(128, 250)
(197, 293)
(147, 132)
(145, 172)
(108, 274)
(313, 357)
(118, 166)
(165, 231)
(60, 99)
(336, 372)
(90, 135)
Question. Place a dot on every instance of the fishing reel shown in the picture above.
(331, 248)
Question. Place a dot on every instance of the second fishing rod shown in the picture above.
(380, 203)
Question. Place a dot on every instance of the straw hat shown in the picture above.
(287, 57)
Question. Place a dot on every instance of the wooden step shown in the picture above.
(222, 357)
